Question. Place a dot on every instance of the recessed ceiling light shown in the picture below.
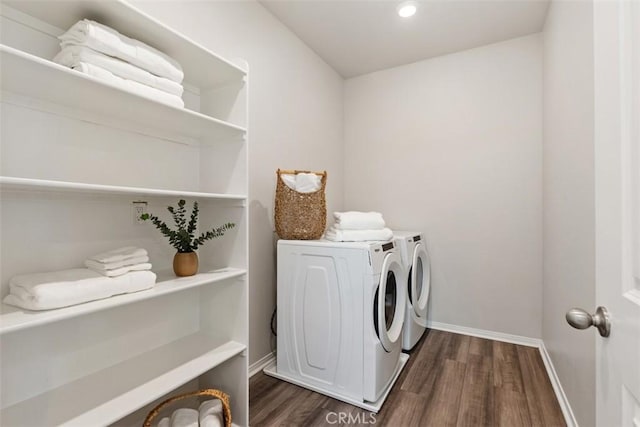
(407, 9)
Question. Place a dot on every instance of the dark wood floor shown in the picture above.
(450, 380)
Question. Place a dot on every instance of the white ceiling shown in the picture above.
(361, 36)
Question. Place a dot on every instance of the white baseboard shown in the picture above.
(569, 417)
(259, 365)
(481, 333)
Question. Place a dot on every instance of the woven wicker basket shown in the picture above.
(223, 397)
(300, 216)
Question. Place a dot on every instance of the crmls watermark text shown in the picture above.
(349, 418)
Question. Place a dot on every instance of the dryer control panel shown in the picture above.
(377, 253)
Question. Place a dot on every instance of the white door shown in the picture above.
(617, 166)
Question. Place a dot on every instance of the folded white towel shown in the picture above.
(72, 56)
(118, 271)
(119, 255)
(184, 417)
(44, 291)
(108, 41)
(129, 85)
(354, 220)
(104, 266)
(211, 413)
(358, 235)
(302, 182)
(165, 422)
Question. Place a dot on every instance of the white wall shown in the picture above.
(569, 224)
(452, 146)
(295, 122)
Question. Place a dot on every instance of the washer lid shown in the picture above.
(391, 302)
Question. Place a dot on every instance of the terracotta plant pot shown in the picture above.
(185, 264)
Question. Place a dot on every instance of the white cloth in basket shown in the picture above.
(302, 182)
(184, 417)
(211, 414)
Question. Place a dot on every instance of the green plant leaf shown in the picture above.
(193, 222)
(183, 238)
(212, 234)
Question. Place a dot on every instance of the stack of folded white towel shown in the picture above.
(356, 226)
(45, 291)
(129, 64)
(119, 261)
(209, 415)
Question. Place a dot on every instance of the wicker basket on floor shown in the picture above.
(300, 216)
(223, 397)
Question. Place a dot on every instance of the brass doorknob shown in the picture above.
(580, 319)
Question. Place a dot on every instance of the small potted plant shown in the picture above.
(185, 261)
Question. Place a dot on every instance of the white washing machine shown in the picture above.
(415, 259)
(341, 309)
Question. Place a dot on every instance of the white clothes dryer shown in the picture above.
(415, 259)
(341, 310)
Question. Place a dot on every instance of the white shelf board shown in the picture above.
(17, 183)
(112, 393)
(38, 79)
(202, 67)
(14, 319)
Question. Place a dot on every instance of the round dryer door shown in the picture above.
(420, 283)
(390, 302)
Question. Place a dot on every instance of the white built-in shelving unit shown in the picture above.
(36, 78)
(75, 153)
(14, 183)
(14, 319)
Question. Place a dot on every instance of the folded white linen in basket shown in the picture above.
(336, 235)
(302, 182)
(289, 180)
(354, 220)
(211, 413)
(110, 42)
(117, 271)
(44, 291)
(103, 266)
(72, 56)
(308, 182)
(165, 422)
(184, 417)
(129, 85)
(120, 255)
